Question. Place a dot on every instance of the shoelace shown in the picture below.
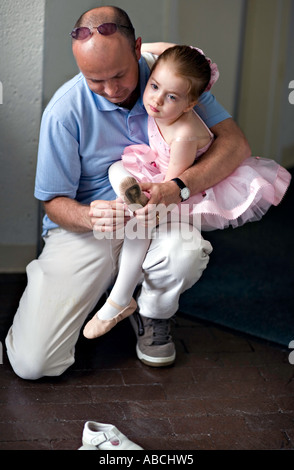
(161, 331)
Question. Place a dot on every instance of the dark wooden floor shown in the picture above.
(226, 391)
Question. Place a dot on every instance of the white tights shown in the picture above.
(132, 256)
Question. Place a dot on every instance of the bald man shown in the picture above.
(84, 129)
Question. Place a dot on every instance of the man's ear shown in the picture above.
(138, 48)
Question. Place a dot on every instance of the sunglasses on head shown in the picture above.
(106, 29)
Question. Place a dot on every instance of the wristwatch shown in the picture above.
(184, 191)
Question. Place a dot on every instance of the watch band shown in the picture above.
(179, 182)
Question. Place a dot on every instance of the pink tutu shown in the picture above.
(140, 161)
(244, 196)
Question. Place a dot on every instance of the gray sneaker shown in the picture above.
(155, 346)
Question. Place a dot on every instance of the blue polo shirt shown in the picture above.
(82, 134)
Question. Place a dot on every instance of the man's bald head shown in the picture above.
(108, 14)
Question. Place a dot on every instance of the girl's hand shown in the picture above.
(108, 216)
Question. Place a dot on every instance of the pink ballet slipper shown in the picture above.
(131, 193)
(97, 327)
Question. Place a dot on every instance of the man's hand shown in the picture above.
(101, 216)
(162, 196)
(162, 193)
(108, 216)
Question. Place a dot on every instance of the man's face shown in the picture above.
(110, 67)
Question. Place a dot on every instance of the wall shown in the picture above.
(59, 64)
(21, 61)
(217, 28)
(265, 113)
(285, 149)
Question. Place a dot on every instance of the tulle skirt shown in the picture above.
(244, 196)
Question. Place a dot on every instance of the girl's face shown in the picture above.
(166, 94)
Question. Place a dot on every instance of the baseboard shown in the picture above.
(15, 258)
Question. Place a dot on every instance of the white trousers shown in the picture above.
(71, 274)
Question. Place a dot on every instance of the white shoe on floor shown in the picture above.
(88, 448)
(106, 437)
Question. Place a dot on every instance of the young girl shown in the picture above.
(177, 137)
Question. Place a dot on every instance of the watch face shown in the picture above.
(185, 193)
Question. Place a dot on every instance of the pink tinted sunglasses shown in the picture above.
(106, 29)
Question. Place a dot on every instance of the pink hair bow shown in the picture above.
(213, 67)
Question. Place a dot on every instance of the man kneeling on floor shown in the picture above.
(84, 129)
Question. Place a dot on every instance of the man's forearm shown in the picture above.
(69, 214)
(226, 153)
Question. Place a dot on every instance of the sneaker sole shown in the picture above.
(155, 361)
